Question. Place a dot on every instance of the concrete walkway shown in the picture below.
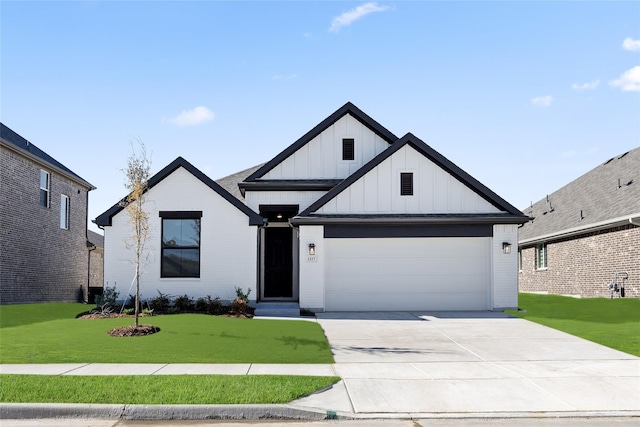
(425, 365)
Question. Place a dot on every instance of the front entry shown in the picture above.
(278, 262)
(279, 254)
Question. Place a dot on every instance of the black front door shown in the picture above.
(278, 262)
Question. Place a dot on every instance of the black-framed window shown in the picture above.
(406, 184)
(180, 244)
(45, 187)
(348, 149)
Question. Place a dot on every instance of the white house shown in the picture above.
(347, 218)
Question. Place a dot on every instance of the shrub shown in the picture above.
(108, 298)
(160, 304)
(184, 304)
(148, 312)
(215, 306)
(202, 305)
(128, 311)
(240, 295)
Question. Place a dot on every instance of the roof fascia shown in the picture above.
(347, 108)
(42, 162)
(408, 219)
(287, 186)
(588, 228)
(432, 155)
(105, 219)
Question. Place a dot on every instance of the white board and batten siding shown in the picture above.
(505, 267)
(321, 158)
(227, 243)
(435, 190)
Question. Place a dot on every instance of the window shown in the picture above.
(406, 184)
(541, 256)
(65, 209)
(180, 244)
(519, 259)
(45, 185)
(348, 149)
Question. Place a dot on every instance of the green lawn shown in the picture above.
(614, 323)
(50, 333)
(160, 389)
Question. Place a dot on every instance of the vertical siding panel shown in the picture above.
(384, 186)
(371, 191)
(357, 196)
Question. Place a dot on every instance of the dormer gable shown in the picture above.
(334, 149)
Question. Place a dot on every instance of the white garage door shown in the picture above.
(399, 274)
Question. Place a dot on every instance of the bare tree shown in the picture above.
(136, 181)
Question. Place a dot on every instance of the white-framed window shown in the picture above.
(65, 211)
(519, 259)
(541, 256)
(45, 187)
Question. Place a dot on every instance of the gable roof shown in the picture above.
(254, 219)
(435, 157)
(230, 182)
(28, 149)
(607, 196)
(347, 108)
(95, 239)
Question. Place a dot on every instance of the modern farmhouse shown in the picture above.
(347, 218)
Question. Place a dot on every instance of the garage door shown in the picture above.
(398, 274)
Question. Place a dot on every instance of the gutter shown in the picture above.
(298, 220)
(633, 219)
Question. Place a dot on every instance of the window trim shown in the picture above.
(46, 190)
(65, 212)
(541, 248)
(406, 187)
(180, 215)
(348, 143)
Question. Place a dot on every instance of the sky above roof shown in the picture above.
(524, 96)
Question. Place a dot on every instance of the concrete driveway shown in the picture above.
(423, 364)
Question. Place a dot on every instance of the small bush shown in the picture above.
(215, 306)
(161, 303)
(108, 298)
(129, 311)
(240, 295)
(184, 304)
(148, 312)
(202, 304)
(173, 310)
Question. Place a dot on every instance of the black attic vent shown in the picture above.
(608, 161)
(623, 155)
(348, 149)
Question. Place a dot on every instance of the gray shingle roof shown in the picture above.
(18, 141)
(596, 194)
(95, 238)
(230, 183)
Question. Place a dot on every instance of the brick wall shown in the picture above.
(584, 265)
(39, 261)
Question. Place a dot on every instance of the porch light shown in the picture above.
(506, 247)
(312, 249)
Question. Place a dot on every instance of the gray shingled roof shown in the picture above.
(230, 183)
(18, 141)
(95, 238)
(596, 193)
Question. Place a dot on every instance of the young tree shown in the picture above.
(136, 181)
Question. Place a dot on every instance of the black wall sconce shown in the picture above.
(506, 247)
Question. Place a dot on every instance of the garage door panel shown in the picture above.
(407, 274)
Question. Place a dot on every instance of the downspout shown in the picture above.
(91, 249)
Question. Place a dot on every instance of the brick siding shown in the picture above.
(39, 261)
(584, 265)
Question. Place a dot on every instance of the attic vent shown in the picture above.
(348, 149)
(608, 161)
(406, 184)
(623, 155)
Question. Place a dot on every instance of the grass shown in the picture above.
(50, 333)
(170, 389)
(614, 323)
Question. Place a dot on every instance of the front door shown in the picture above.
(278, 262)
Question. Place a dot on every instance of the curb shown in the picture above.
(157, 412)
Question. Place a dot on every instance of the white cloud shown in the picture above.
(586, 86)
(284, 77)
(631, 44)
(542, 101)
(351, 16)
(193, 117)
(629, 81)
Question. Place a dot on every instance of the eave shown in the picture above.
(584, 229)
(409, 219)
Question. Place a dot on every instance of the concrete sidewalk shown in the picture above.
(412, 365)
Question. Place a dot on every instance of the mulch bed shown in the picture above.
(133, 331)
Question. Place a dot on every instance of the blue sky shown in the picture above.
(525, 96)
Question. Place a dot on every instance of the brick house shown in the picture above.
(44, 253)
(585, 233)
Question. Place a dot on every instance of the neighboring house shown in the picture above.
(95, 243)
(585, 233)
(349, 217)
(43, 225)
